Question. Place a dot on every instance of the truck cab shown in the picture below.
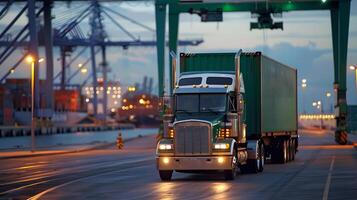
(203, 133)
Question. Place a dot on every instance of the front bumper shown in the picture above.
(194, 163)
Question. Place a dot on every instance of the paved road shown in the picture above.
(322, 170)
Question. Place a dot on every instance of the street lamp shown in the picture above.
(314, 104)
(30, 59)
(328, 96)
(84, 70)
(303, 86)
(354, 68)
(318, 105)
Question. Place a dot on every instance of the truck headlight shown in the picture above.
(221, 146)
(165, 147)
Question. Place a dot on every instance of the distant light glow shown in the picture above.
(29, 59)
(317, 117)
(84, 70)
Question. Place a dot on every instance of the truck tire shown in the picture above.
(279, 153)
(256, 165)
(165, 175)
(261, 157)
(288, 151)
(230, 174)
(293, 149)
(285, 157)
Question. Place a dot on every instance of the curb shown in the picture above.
(59, 152)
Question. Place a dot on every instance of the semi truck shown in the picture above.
(229, 111)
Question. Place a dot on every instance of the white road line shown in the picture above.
(328, 181)
(39, 195)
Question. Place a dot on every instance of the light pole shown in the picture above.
(318, 105)
(31, 60)
(354, 68)
(328, 96)
(303, 86)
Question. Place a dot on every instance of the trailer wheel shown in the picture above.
(165, 175)
(279, 153)
(285, 158)
(288, 150)
(293, 149)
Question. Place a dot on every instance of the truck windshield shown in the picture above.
(193, 103)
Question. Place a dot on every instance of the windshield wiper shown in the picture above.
(185, 111)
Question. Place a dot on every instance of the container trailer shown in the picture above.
(229, 111)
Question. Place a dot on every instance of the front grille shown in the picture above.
(192, 138)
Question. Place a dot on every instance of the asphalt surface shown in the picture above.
(321, 170)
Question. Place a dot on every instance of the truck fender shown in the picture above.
(252, 149)
(233, 145)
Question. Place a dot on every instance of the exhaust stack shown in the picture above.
(237, 63)
(241, 132)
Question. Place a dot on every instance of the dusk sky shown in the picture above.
(305, 44)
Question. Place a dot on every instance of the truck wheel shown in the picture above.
(165, 175)
(293, 150)
(280, 152)
(230, 174)
(253, 165)
(261, 157)
(288, 150)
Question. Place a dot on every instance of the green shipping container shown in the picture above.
(270, 88)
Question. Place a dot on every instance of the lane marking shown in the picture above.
(39, 195)
(328, 181)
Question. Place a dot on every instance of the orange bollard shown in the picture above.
(120, 143)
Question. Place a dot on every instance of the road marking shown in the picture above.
(328, 181)
(39, 195)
